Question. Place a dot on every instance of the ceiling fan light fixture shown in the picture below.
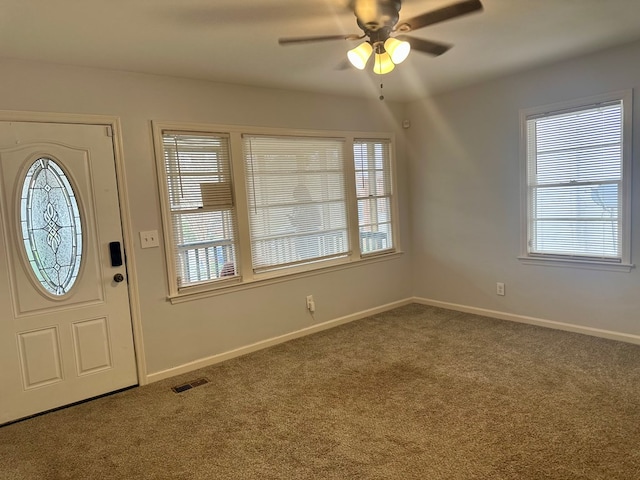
(397, 49)
(360, 55)
(383, 63)
(379, 20)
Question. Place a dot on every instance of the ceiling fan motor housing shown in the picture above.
(375, 15)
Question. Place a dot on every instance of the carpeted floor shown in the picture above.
(414, 393)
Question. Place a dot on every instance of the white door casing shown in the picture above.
(58, 348)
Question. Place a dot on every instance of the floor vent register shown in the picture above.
(189, 385)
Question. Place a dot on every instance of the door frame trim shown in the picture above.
(123, 198)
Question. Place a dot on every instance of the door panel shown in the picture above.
(92, 346)
(40, 357)
(65, 325)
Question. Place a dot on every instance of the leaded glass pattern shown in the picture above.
(51, 226)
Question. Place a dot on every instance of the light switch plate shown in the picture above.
(149, 239)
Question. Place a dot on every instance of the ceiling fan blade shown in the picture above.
(317, 38)
(439, 15)
(425, 46)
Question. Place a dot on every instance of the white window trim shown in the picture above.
(246, 277)
(624, 264)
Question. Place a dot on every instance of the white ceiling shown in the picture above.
(235, 41)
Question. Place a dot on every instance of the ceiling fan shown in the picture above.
(385, 34)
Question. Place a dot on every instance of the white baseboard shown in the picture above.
(221, 357)
(594, 332)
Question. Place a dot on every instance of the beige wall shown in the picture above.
(175, 335)
(465, 186)
(462, 218)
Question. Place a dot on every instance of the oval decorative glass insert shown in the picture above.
(51, 226)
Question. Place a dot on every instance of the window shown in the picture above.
(297, 205)
(373, 191)
(200, 203)
(577, 182)
(244, 205)
(51, 226)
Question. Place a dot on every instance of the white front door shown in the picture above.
(65, 322)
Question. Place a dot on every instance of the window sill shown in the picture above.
(230, 285)
(583, 264)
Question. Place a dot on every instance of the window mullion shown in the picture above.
(352, 200)
(244, 234)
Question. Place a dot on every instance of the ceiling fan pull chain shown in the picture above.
(381, 97)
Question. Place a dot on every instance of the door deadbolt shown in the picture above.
(118, 277)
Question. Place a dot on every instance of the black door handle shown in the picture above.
(118, 277)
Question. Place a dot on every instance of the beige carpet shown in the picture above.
(415, 393)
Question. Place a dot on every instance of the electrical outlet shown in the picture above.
(499, 288)
(311, 304)
(149, 239)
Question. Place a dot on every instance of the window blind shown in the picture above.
(203, 216)
(372, 159)
(296, 200)
(574, 180)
